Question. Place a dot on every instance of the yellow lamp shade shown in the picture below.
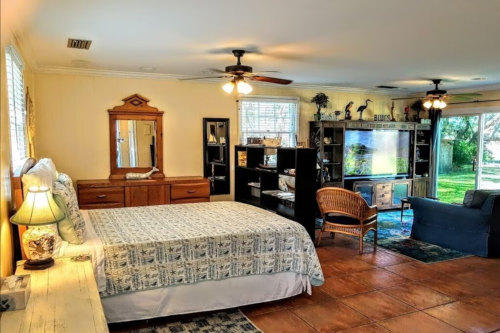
(38, 208)
(428, 104)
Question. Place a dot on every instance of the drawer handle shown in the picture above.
(191, 191)
(102, 196)
(383, 195)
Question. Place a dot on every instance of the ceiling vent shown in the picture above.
(79, 44)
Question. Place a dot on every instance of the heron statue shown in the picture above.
(362, 108)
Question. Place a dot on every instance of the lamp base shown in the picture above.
(38, 264)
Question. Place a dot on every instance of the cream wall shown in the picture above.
(72, 118)
(9, 11)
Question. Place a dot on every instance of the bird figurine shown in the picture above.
(392, 112)
(348, 111)
(362, 108)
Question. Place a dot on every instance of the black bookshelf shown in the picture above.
(265, 179)
(216, 154)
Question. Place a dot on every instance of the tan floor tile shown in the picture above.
(378, 278)
(456, 288)
(305, 299)
(330, 316)
(487, 303)
(417, 295)
(450, 267)
(382, 259)
(466, 317)
(328, 270)
(283, 321)
(413, 271)
(486, 279)
(372, 328)
(377, 306)
(417, 322)
(341, 286)
(257, 309)
(349, 265)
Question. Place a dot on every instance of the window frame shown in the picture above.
(13, 63)
(263, 98)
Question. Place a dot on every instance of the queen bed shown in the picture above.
(174, 259)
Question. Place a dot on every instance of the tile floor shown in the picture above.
(382, 291)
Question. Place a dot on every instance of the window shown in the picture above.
(269, 117)
(17, 110)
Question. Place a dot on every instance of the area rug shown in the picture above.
(233, 321)
(394, 235)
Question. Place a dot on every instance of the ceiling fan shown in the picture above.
(239, 73)
(435, 96)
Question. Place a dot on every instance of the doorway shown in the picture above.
(469, 155)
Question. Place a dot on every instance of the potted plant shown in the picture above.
(321, 101)
(418, 106)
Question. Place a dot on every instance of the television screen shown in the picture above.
(377, 152)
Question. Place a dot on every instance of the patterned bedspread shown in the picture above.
(161, 246)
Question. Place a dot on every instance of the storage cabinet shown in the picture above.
(386, 194)
(105, 193)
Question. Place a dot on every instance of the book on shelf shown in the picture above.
(242, 158)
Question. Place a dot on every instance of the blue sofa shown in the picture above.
(473, 227)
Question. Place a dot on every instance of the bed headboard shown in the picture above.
(17, 187)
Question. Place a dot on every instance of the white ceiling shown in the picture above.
(348, 43)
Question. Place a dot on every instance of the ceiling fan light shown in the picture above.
(436, 104)
(228, 87)
(243, 87)
(428, 104)
(443, 105)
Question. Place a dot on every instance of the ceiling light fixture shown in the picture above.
(241, 86)
(435, 103)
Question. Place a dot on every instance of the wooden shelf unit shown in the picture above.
(303, 160)
(216, 155)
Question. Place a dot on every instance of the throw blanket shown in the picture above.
(168, 245)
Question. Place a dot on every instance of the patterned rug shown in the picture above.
(233, 321)
(394, 235)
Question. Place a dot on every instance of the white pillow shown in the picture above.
(51, 165)
(40, 175)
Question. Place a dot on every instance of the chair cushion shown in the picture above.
(476, 198)
(342, 219)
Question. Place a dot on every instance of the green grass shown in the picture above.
(452, 186)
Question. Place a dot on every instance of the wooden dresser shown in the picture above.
(116, 193)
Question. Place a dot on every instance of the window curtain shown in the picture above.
(30, 121)
(435, 116)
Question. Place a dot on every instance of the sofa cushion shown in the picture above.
(476, 198)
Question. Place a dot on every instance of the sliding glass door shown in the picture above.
(489, 162)
(468, 155)
(457, 162)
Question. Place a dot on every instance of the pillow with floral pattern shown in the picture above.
(73, 211)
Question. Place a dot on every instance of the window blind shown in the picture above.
(17, 109)
(270, 118)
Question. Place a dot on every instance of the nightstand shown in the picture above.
(64, 298)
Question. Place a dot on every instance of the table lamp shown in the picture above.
(37, 211)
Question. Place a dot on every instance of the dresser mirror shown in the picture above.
(136, 143)
(136, 138)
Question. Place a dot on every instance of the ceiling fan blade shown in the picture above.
(269, 79)
(463, 97)
(205, 77)
(215, 70)
(402, 98)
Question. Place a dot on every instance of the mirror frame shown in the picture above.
(135, 107)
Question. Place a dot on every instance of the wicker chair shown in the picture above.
(346, 212)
